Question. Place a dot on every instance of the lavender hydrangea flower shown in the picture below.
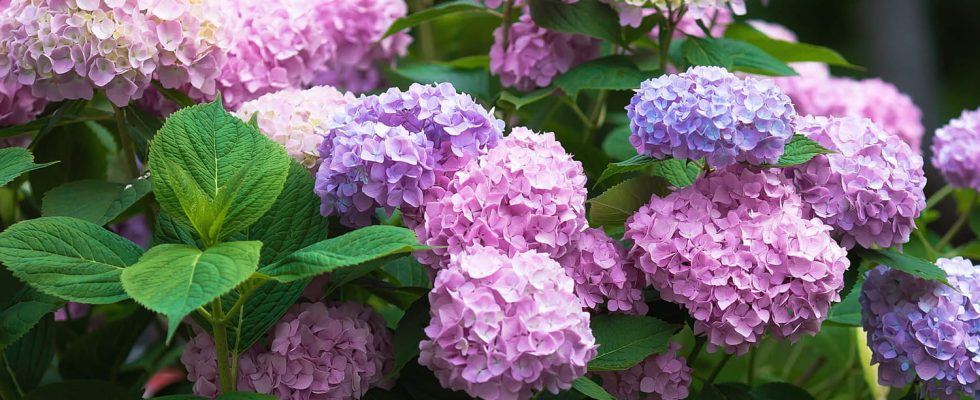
(526, 194)
(956, 150)
(925, 329)
(534, 55)
(709, 112)
(598, 265)
(735, 251)
(200, 360)
(504, 326)
(297, 119)
(17, 104)
(870, 190)
(663, 376)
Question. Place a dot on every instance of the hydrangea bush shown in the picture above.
(501, 199)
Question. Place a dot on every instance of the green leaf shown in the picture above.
(610, 73)
(799, 150)
(192, 279)
(625, 340)
(80, 155)
(357, 247)
(518, 101)
(142, 127)
(848, 311)
(263, 309)
(586, 17)
(99, 354)
(780, 391)
(893, 259)
(68, 258)
(407, 271)
(591, 389)
(481, 61)
(617, 143)
(410, 331)
(174, 95)
(293, 222)
(72, 113)
(733, 55)
(30, 357)
(99, 202)
(23, 312)
(15, 161)
(466, 80)
(214, 172)
(433, 13)
(168, 231)
(679, 173)
(783, 50)
(619, 202)
(80, 390)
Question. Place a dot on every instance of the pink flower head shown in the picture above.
(663, 376)
(956, 150)
(525, 194)
(297, 119)
(534, 55)
(871, 189)
(200, 360)
(17, 104)
(602, 274)
(504, 326)
(735, 251)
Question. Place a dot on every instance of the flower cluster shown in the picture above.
(956, 150)
(504, 326)
(709, 112)
(735, 251)
(297, 119)
(317, 352)
(871, 189)
(925, 329)
(17, 104)
(66, 49)
(525, 194)
(598, 265)
(533, 56)
(663, 376)
(698, 9)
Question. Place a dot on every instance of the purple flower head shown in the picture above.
(504, 326)
(709, 112)
(202, 368)
(663, 376)
(17, 104)
(525, 194)
(870, 190)
(534, 55)
(136, 229)
(925, 329)
(735, 251)
(297, 119)
(602, 274)
(956, 150)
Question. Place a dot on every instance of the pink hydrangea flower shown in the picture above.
(504, 327)
(663, 376)
(17, 104)
(534, 55)
(956, 150)
(525, 194)
(297, 119)
(602, 274)
(200, 360)
(735, 251)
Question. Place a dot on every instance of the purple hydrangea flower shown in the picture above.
(956, 150)
(663, 376)
(504, 326)
(17, 104)
(870, 190)
(709, 112)
(925, 329)
(136, 229)
(72, 311)
(534, 55)
(200, 360)
(526, 194)
(735, 251)
(602, 274)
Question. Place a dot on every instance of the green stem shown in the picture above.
(9, 389)
(750, 374)
(226, 376)
(578, 112)
(696, 351)
(505, 24)
(938, 196)
(964, 217)
(127, 143)
(718, 368)
(426, 38)
(598, 114)
(925, 243)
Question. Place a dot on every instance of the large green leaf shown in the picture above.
(81, 390)
(214, 172)
(99, 354)
(23, 312)
(358, 247)
(98, 202)
(611, 73)
(586, 17)
(902, 262)
(591, 389)
(783, 50)
(733, 55)
(625, 340)
(68, 258)
(679, 173)
(30, 357)
(432, 13)
(848, 311)
(293, 222)
(619, 202)
(175, 279)
(80, 154)
(799, 150)
(15, 161)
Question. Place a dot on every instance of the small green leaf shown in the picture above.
(23, 312)
(780, 391)
(466, 80)
(68, 258)
(619, 202)
(586, 17)
(617, 143)
(432, 13)
(98, 202)
(679, 173)
(799, 150)
(783, 50)
(357, 247)
(80, 390)
(518, 101)
(636, 163)
(625, 340)
(610, 73)
(848, 311)
(193, 278)
(912, 265)
(733, 55)
(591, 389)
(15, 161)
